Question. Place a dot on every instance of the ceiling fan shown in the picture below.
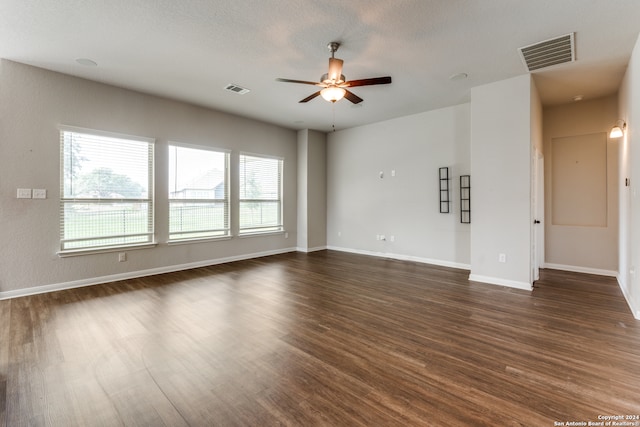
(334, 83)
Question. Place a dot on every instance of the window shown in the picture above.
(198, 193)
(106, 190)
(260, 194)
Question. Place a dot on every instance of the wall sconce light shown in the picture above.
(618, 130)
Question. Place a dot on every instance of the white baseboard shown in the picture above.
(307, 250)
(401, 257)
(501, 282)
(135, 274)
(578, 269)
(634, 310)
(180, 267)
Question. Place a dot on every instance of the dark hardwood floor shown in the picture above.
(326, 338)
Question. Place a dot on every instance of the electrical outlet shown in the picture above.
(502, 258)
(392, 238)
(39, 193)
(122, 257)
(23, 193)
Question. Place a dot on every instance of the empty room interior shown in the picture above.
(301, 213)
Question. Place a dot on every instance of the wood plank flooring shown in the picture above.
(320, 339)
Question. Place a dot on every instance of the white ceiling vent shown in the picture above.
(549, 52)
(237, 89)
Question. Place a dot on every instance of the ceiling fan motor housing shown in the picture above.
(327, 79)
(334, 75)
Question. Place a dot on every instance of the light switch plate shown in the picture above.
(23, 193)
(39, 193)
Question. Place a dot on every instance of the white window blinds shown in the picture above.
(260, 194)
(198, 193)
(106, 190)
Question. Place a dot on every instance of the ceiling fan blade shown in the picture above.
(368, 82)
(300, 81)
(352, 97)
(310, 97)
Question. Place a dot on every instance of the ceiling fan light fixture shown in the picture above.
(333, 93)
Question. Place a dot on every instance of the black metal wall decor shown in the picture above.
(465, 199)
(444, 189)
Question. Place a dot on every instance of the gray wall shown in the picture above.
(312, 190)
(34, 102)
(362, 205)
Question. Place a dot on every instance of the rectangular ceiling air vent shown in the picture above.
(549, 52)
(237, 89)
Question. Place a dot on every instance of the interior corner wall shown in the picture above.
(382, 188)
(34, 102)
(501, 150)
(629, 157)
(312, 191)
(317, 191)
(587, 246)
(303, 155)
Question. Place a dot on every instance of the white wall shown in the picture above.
(33, 102)
(361, 205)
(501, 159)
(629, 156)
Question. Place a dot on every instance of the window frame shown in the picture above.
(226, 200)
(269, 229)
(149, 241)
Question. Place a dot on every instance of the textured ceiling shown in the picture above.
(191, 49)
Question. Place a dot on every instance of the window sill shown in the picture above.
(203, 240)
(81, 252)
(261, 233)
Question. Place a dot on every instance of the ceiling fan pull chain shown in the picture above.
(333, 110)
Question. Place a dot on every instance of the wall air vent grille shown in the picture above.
(237, 89)
(544, 54)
